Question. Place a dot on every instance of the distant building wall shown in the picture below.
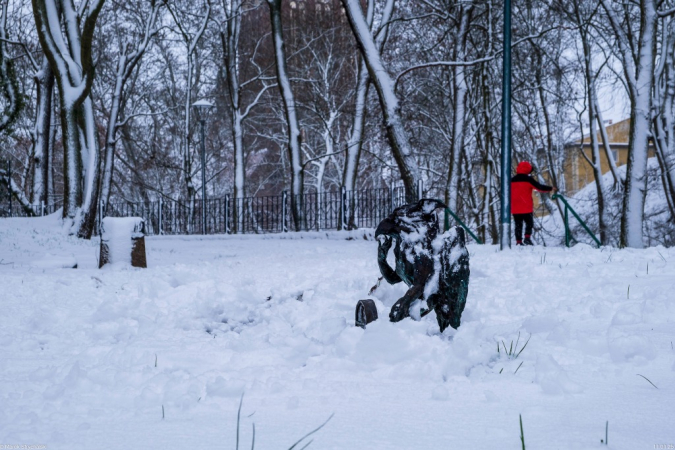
(577, 170)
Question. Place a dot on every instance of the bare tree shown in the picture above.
(636, 40)
(190, 39)
(290, 113)
(664, 108)
(396, 133)
(355, 140)
(43, 134)
(8, 80)
(230, 35)
(130, 53)
(582, 18)
(66, 36)
(460, 89)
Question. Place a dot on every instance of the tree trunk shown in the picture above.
(664, 121)
(111, 132)
(290, 113)
(9, 84)
(42, 143)
(459, 108)
(230, 42)
(126, 63)
(92, 174)
(72, 160)
(396, 133)
(618, 182)
(66, 38)
(636, 51)
(191, 39)
(593, 135)
(355, 140)
(190, 188)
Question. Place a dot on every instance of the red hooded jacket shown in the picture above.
(522, 186)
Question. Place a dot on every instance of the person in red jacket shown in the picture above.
(522, 185)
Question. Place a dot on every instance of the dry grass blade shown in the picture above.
(521, 350)
(646, 379)
(241, 400)
(309, 434)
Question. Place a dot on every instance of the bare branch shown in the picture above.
(25, 49)
(475, 61)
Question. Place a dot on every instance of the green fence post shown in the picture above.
(567, 227)
(505, 193)
(9, 184)
(462, 224)
(568, 235)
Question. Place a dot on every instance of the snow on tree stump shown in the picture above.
(123, 241)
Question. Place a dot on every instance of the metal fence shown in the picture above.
(12, 209)
(9, 207)
(264, 214)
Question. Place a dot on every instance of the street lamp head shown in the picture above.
(202, 105)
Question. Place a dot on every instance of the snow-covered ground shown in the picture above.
(93, 358)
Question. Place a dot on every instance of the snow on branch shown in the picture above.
(146, 114)
(25, 49)
(257, 99)
(625, 48)
(666, 13)
(9, 84)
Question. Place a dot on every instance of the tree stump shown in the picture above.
(123, 241)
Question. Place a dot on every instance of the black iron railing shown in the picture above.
(264, 214)
(14, 209)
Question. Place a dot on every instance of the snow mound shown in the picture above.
(553, 379)
(50, 261)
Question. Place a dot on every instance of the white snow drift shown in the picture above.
(94, 358)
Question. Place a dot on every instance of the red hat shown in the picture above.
(524, 167)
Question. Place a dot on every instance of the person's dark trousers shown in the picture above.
(529, 223)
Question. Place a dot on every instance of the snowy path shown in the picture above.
(78, 347)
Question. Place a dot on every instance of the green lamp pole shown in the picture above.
(505, 199)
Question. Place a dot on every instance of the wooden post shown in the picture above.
(123, 240)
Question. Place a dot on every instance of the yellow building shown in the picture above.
(578, 172)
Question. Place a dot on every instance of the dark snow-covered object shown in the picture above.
(366, 312)
(123, 241)
(435, 266)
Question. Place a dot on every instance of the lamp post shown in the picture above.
(505, 197)
(203, 106)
